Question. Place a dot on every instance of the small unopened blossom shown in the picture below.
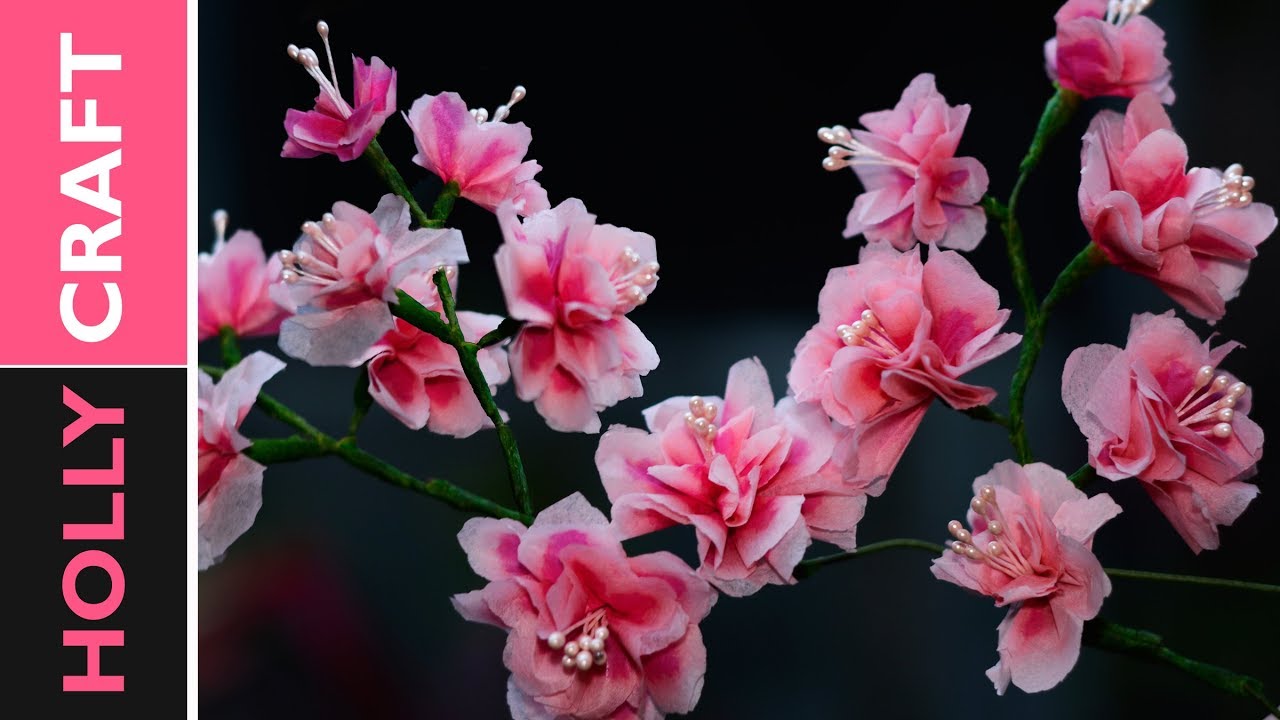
(591, 633)
(1163, 411)
(335, 126)
(230, 484)
(344, 270)
(484, 155)
(917, 190)
(234, 281)
(756, 481)
(892, 334)
(1028, 545)
(418, 378)
(1108, 48)
(1193, 232)
(573, 282)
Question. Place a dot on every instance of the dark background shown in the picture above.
(699, 128)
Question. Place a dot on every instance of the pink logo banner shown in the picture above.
(94, 184)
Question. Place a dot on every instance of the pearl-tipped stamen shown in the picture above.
(571, 648)
(567, 662)
(555, 640)
(219, 227)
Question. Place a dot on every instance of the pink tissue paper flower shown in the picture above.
(1030, 548)
(344, 270)
(1160, 410)
(1192, 233)
(335, 126)
(1103, 48)
(230, 484)
(573, 282)
(234, 285)
(592, 633)
(917, 190)
(756, 482)
(484, 156)
(892, 333)
(419, 379)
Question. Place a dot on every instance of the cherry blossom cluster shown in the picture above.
(595, 633)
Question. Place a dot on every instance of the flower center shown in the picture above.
(632, 281)
(1209, 407)
(1003, 556)
(701, 420)
(868, 332)
(481, 115)
(1121, 11)
(845, 151)
(315, 259)
(587, 651)
(307, 58)
(1234, 192)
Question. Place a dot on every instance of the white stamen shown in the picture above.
(1121, 11)
(633, 281)
(219, 227)
(322, 27)
(1235, 191)
(307, 58)
(1209, 407)
(587, 651)
(845, 151)
(503, 111)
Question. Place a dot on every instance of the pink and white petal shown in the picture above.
(1039, 645)
(491, 546)
(455, 411)
(335, 337)
(693, 593)
(399, 389)
(834, 518)
(674, 676)
(748, 387)
(566, 405)
(1079, 519)
(229, 508)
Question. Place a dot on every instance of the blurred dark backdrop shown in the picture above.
(699, 128)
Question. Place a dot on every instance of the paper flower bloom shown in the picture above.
(892, 334)
(756, 482)
(1029, 548)
(234, 282)
(344, 270)
(484, 156)
(573, 282)
(1192, 233)
(230, 484)
(916, 189)
(336, 127)
(1107, 47)
(419, 378)
(1160, 410)
(591, 632)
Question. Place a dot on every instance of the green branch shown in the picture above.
(394, 180)
(229, 344)
(1150, 647)
(314, 443)
(1081, 267)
